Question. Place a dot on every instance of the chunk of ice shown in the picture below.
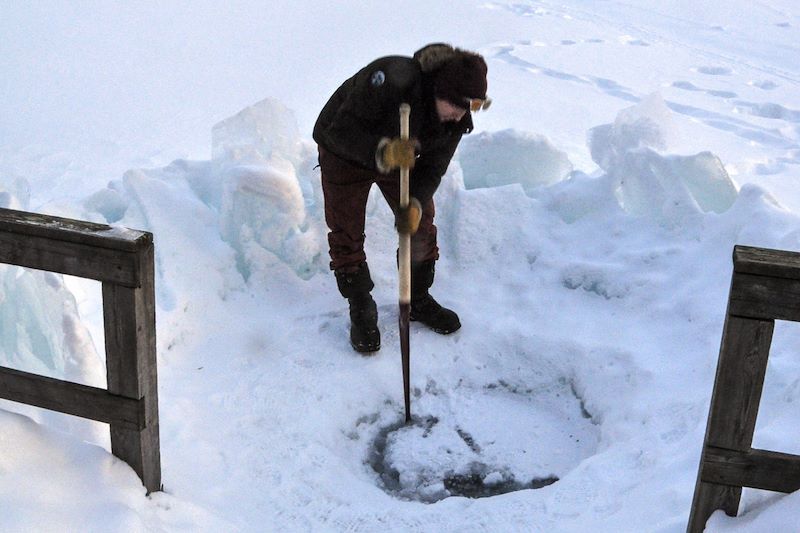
(510, 156)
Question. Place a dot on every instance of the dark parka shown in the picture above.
(364, 110)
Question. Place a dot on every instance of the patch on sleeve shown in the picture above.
(378, 78)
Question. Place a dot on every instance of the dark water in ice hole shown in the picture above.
(469, 484)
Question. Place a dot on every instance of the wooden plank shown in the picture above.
(709, 498)
(23, 223)
(766, 262)
(739, 382)
(123, 260)
(130, 336)
(758, 469)
(75, 259)
(71, 398)
(765, 286)
(732, 416)
(765, 297)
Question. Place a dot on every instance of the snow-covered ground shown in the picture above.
(586, 230)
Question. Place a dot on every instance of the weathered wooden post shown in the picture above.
(765, 286)
(130, 332)
(123, 261)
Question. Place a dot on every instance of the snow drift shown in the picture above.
(42, 331)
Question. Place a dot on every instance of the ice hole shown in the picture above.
(481, 441)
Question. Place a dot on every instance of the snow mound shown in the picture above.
(47, 477)
(580, 196)
(269, 191)
(260, 192)
(262, 205)
(42, 331)
(510, 156)
(110, 203)
(666, 187)
(638, 177)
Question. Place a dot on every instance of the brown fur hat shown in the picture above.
(458, 74)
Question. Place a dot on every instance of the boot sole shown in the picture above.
(440, 331)
(366, 350)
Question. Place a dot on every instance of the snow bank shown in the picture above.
(260, 157)
(260, 191)
(54, 482)
(642, 180)
(42, 332)
(263, 195)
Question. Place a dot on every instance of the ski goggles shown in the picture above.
(478, 104)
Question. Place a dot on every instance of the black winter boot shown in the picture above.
(364, 334)
(423, 307)
(355, 286)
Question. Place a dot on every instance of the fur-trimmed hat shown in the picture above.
(461, 78)
(458, 74)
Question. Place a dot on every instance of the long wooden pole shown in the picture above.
(404, 266)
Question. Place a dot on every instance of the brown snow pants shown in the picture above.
(346, 188)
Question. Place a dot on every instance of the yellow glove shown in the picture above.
(398, 152)
(407, 220)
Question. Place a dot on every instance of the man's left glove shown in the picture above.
(407, 220)
(395, 153)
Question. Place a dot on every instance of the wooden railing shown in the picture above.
(765, 286)
(123, 261)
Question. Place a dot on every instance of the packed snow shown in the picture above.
(586, 230)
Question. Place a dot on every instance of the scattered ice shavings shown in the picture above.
(493, 478)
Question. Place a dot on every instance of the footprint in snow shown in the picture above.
(714, 71)
(767, 168)
(723, 94)
(632, 41)
(767, 85)
(769, 110)
(689, 86)
(686, 86)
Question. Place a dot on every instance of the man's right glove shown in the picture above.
(397, 152)
(407, 220)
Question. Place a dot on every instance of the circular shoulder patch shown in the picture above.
(377, 79)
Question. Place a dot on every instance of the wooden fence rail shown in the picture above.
(123, 261)
(765, 286)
